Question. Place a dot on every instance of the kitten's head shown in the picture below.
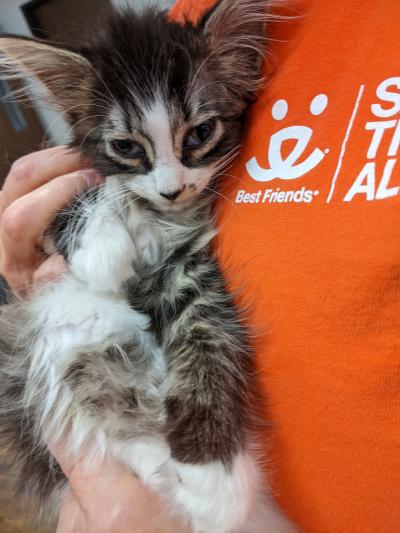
(158, 104)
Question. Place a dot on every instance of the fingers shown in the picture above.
(24, 221)
(37, 187)
(50, 270)
(72, 518)
(34, 170)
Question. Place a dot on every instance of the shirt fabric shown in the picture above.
(310, 234)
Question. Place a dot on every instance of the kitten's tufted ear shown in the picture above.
(236, 32)
(65, 75)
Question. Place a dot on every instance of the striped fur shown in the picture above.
(139, 352)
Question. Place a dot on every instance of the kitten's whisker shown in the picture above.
(58, 117)
(224, 175)
(197, 73)
(112, 99)
(226, 160)
(224, 197)
(75, 124)
(87, 135)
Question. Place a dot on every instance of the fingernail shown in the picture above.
(92, 178)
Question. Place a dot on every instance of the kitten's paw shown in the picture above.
(267, 518)
(217, 499)
(104, 260)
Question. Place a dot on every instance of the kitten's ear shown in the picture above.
(236, 31)
(65, 75)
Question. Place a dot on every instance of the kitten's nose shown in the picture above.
(172, 195)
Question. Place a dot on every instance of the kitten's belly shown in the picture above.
(85, 317)
(101, 377)
(97, 367)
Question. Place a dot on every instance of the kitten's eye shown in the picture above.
(127, 148)
(199, 135)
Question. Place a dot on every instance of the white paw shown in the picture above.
(72, 318)
(267, 518)
(146, 457)
(217, 499)
(104, 260)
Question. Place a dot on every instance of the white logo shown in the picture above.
(272, 196)
(287, 169)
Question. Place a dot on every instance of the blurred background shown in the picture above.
(24, 129)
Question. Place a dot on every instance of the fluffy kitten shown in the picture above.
(139, 351)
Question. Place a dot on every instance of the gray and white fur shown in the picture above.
(138, 352)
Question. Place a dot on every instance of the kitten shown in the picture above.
(139, 352)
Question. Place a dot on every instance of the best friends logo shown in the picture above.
(369, 183)
(289, 168)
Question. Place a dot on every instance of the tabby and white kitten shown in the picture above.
(139, 352)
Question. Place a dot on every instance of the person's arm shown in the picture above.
(104, 498)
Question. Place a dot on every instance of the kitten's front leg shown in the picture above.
(219, 484)
(211, 375)
(105, 256)
(206, 405)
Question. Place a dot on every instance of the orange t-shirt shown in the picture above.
(312, 232)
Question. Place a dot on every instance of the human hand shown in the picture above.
(37, 187)
(105, 498)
